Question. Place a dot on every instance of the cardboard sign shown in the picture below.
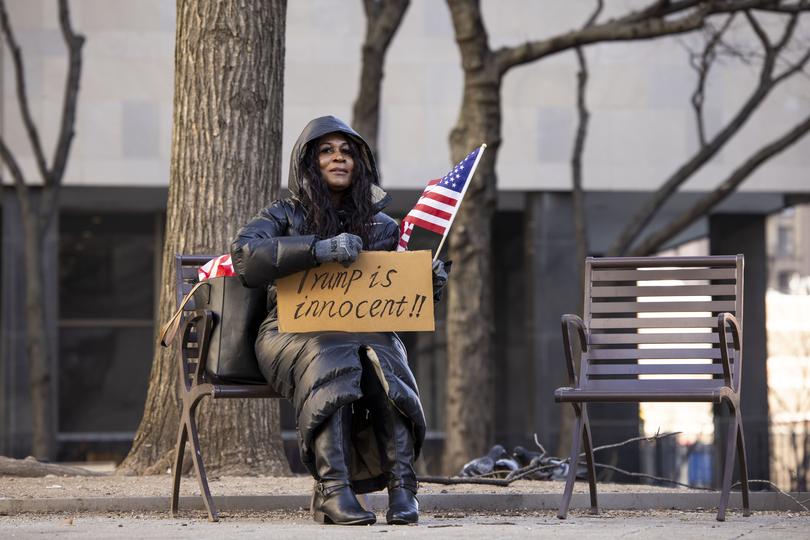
(381, 291)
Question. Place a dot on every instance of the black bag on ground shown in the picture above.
(237, 314)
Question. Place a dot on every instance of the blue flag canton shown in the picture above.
(456, 178)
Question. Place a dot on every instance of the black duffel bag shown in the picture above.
(238, 311)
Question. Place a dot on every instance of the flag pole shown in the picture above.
(463, 192)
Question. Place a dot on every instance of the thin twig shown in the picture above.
(22, 93)
(540, 446)
(703, 66)
(634, 439)
(650, 476)
(778, 490)
(450, 480)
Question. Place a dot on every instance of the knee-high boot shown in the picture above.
(403, 508)
(395, 441)
(334, 500)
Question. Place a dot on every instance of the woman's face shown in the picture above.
(336, 162)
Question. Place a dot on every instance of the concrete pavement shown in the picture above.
(298, 525)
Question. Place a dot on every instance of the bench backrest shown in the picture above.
(653, 322)
(186, 267)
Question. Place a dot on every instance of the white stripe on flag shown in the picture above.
(429, 218)
(405, 237)
(446, 192)
(436, 204)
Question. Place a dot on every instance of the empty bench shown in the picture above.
(666, 329)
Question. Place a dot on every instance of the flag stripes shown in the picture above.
(437, 205)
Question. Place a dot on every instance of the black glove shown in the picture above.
(440, 271)
(343, 248)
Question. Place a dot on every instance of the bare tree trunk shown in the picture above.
(39, 369)
(37, 217)
(470, 323)
(469, 393)
(383, 18)
(226, 160)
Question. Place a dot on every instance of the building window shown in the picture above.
(783, 279)
(784, 241)
(106, 322)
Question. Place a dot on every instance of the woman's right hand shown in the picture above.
(343, 248)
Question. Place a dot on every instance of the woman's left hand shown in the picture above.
(440, 271)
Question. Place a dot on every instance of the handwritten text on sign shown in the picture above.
(381, 291)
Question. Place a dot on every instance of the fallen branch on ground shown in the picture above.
(31, 468)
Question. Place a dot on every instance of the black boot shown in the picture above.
(403, 508)
(395, 441)
(334, 500)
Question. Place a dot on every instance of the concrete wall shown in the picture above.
(642, 124)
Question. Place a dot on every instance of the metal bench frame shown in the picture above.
(609, 339)
(194, 382)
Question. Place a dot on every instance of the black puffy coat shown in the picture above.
(320, 371)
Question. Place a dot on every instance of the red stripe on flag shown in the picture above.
(427, 225)
(441, 198)
(434, 182)
(433, 211)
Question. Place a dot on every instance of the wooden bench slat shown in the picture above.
(671, 386)
(565, 395)
(189, 272)
(680, 337)
(670, 290)
(653, 354)
(714, 261)
(653, 322)
(656, 274)
(655, 369)
(647, 307)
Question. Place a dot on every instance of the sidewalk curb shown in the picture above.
(470, 502)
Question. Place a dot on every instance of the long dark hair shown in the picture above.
(355, 211)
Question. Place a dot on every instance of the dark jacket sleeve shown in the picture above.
(384, 233)
(261, 253)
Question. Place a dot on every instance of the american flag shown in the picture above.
(439, 202)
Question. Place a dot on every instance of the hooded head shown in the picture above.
(298, 184)
(356, 208)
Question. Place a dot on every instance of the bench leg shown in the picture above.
(180, 449)
(588, 442)
(199, 468)
(728, 465)
(572, 464)
(743, 461)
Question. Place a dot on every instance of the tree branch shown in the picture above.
(706, 60)
(612, 30)
(655, 240)
(383, 19)
(22, 92)
(580, 224)
(600, 5)
(650, 477)
(13, 166)
(647, 23)
(74, 44)
(20, 185)
(645, 214)
(577, 194)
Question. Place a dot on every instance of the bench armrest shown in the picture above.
(566, 322)
(203, 321)
(724, 319)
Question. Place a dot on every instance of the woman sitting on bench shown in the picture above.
(360, 422)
